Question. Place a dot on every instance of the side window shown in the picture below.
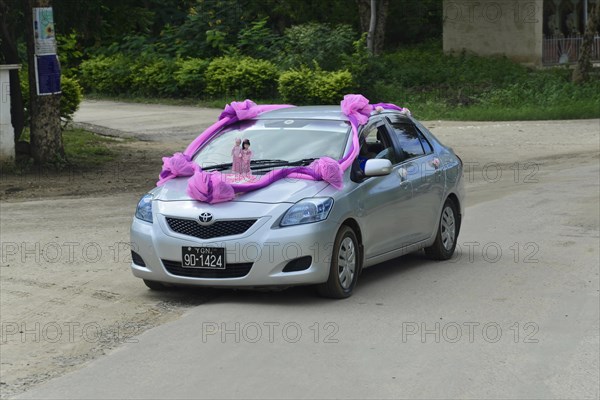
(376, 143)
(409, 140)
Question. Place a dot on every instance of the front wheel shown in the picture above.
(345, 265)
(447, 233)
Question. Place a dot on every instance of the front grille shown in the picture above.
(231, 270)
(191, 227)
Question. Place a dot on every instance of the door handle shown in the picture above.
(403, 173)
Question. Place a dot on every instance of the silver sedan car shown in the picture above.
(403, 193)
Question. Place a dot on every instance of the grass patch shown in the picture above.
(184, 101)
(83, 150)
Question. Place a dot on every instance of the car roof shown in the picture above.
(332, 113)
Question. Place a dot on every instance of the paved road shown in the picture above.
(144, 121)
(516, 317)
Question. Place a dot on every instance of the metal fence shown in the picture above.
(561, 50)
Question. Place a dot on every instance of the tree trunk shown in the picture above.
(8, 47)
(382, 11)
(364, 12)
(45, 129)
(372, 26)
(582, 70)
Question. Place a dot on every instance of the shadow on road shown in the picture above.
(370, 280)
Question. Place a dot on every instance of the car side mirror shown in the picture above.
(378, 167)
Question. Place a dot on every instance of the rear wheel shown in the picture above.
(445, 240)
(345, 266)
(153, 285)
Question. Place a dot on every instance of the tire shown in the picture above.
(153, 285)
(345, 266)
(447, 233)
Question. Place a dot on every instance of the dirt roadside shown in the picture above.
(67, 295)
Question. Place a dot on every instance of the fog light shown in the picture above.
(298, 264)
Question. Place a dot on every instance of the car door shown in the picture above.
(385, 203)
(424, 172)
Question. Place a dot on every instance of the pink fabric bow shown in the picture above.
(357, 107)
(177, 165)
(209, 187)
(241, 109)
(329, 170)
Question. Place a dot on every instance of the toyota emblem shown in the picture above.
(206, 217)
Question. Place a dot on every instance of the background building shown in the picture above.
(536, 32)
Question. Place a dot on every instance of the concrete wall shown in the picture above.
(7, 135)
(503, 27)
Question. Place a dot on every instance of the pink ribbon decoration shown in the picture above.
(328, 170)
(209, 187)
(177, 165)
(214, 187)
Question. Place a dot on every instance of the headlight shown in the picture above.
(307, 211)
(144, 208)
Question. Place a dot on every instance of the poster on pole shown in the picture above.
(43, 31)
(47, 66)
(47, 74)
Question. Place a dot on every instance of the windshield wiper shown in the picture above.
(267, 161)
(218, 167)
(304, 161)
(263, 163)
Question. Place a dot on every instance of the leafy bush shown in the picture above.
(241, 77)
(107, 74)
(320, 43)
(154, 76)
(72, 94)
(295, 85)
(69, 53)
(71, 97)
(190, 76)
(307, 86)
(258, 41)
(366, 70)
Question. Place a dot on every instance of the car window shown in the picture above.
(376, 144)
(409, 139)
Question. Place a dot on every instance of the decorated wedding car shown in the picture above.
(272, 196)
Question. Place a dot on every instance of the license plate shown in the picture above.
(203, 257)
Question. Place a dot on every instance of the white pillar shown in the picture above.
(7, 133)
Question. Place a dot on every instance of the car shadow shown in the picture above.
(368, 281)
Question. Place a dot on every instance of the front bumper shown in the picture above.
(265, 249)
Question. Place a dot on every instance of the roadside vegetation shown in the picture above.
(432, 84)
(210, 52)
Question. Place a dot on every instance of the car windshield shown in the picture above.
(277, 142)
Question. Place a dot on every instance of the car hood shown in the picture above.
(282, 191)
